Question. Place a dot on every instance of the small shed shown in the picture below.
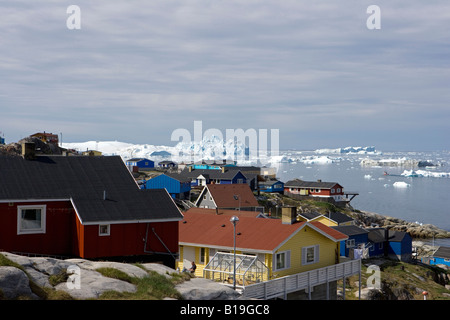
(271, 185)
(140, 163)
(441, 256)
(176, 185)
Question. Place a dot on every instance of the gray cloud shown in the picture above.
(138, 70)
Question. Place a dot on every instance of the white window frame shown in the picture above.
(315, 254)
(286, 260)
(103, 234)
(350, 243)
(42, 229)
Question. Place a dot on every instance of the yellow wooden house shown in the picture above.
(284, 246)
(332, 219)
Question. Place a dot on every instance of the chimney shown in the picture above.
(223, 169)
(288, 215)
(28, 150)
(190, 168)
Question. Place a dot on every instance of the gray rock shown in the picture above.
(92, 284)
(131, 270)
(159, 268)
(204, 289)
(14, 283)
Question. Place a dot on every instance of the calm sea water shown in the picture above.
(425, 199)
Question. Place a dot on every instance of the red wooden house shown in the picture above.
(88, 207)
(315, 189)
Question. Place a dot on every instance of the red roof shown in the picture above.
(258, 234)
(224, 195)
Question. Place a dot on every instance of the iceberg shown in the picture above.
(425, 173)
(349, 150)
(401, 184)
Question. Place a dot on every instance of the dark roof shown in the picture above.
(379, 235)
(310, 184)
(84, 181)
(339, 217)
(210, 173)
(138, 159)
(177, 177)
(350, 230)
(310, 215)
(442, 252)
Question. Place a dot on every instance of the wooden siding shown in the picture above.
(307, 237)
(172, 185)
(57, 239)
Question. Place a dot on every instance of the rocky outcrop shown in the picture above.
(90, 284)
(416, 230)
(14, 284)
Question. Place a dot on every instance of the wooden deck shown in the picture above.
(280, 287)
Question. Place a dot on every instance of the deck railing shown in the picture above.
(280, 287)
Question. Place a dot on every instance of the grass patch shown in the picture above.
(115, 274)
(151, 287)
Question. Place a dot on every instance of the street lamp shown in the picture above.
(234, 220)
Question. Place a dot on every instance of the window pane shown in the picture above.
(30, 219)
(310, 254)
(280, 260)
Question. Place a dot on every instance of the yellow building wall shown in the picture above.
(326, 221)
(328, 252)
(306, 237)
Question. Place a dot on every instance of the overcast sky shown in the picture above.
(138, 70)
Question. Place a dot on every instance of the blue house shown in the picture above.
(202, 177)
(141, 163)
(271, 185)
(393, 244)
(175, 185)
(440, 256)
(357, 238)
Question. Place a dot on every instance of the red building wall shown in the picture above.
(57, 239)
(127, 239)
(66, 236)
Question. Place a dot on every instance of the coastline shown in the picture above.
(416, 230)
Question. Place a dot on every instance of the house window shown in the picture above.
(333, 191)
(104, 230)
(350, 243)
(338, 190)
(31, 219)
(310, 255)
(202, 255)
(282, 260)
(240, 180)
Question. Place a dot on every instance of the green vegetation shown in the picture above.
(400, 280)
(152, 287)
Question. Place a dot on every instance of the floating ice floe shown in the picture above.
(401, 184)
(367, 176)
(425, 173)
